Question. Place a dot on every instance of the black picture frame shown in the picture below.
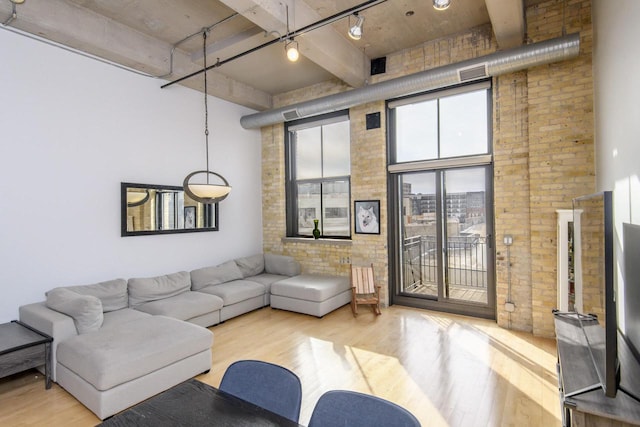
(189, 217)
(366, 215)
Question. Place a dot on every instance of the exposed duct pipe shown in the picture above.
(495, 64)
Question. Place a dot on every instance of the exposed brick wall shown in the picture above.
(561, 151)
(543, 157)
(511, 198)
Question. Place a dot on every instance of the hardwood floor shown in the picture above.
(447, 370)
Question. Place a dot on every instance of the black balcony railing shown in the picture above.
(466, 262)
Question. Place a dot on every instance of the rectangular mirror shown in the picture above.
(163, 209)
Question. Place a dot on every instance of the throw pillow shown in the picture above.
(86, 310)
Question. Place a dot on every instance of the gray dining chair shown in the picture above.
(264, 384)
(349, 408)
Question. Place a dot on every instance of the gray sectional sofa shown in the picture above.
(119, 342)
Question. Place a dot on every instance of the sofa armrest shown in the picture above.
(57, 325)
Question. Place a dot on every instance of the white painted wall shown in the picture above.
(71, 130)
(616, 66)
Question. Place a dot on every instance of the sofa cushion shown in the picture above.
(281, 264)
(235, 291)
(113, 356)
(118, 317)
(251, 265)
(86, 310)
(143, 290)
(185, 306)
(112, 293)
(310, 287)
(215, 275)
(267, 279)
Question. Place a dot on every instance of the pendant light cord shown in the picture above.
(206, 108)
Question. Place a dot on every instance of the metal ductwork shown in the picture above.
(495, 64)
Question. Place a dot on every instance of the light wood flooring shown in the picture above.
(448, 370)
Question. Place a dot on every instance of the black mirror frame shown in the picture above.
(123, 212)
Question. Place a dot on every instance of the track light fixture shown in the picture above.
(355, 32)
(291, 47)
(441, 4)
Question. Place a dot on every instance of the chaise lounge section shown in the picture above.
(311, 294)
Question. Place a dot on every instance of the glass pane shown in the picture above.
(463, 124)
(417, 131)
(336, 149)
(466, 277)
(419, 251)
(335, 220)
(308, 207)
(308, 153)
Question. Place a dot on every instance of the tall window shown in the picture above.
(319, 175)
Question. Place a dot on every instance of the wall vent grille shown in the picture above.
(291, 115)
(473, 72)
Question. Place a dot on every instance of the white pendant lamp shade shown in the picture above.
(206, 192)
(137, 198)
(209, 191)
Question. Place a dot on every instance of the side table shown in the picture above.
(23, 347)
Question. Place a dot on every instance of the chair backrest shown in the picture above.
(362, 279)
(349, 408)
(264, 384)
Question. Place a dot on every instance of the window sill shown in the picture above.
(322, 241)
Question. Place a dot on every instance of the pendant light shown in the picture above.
(207, 193)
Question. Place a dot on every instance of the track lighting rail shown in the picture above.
(321, 23)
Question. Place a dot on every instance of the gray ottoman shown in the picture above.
(311, 294)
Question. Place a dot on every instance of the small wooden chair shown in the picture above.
(363, 289)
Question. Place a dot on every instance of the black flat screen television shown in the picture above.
(617, 359)
(594, 262)
(629, 317)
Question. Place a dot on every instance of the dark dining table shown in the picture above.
(194, 403)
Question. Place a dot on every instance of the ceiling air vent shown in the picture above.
(291, 115)
(473, 72)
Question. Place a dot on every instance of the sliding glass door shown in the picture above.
(441, 178)
(445, 235)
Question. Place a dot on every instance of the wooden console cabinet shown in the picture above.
(582, 398)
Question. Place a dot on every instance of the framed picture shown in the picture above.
(367, 216)
(189, 217)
